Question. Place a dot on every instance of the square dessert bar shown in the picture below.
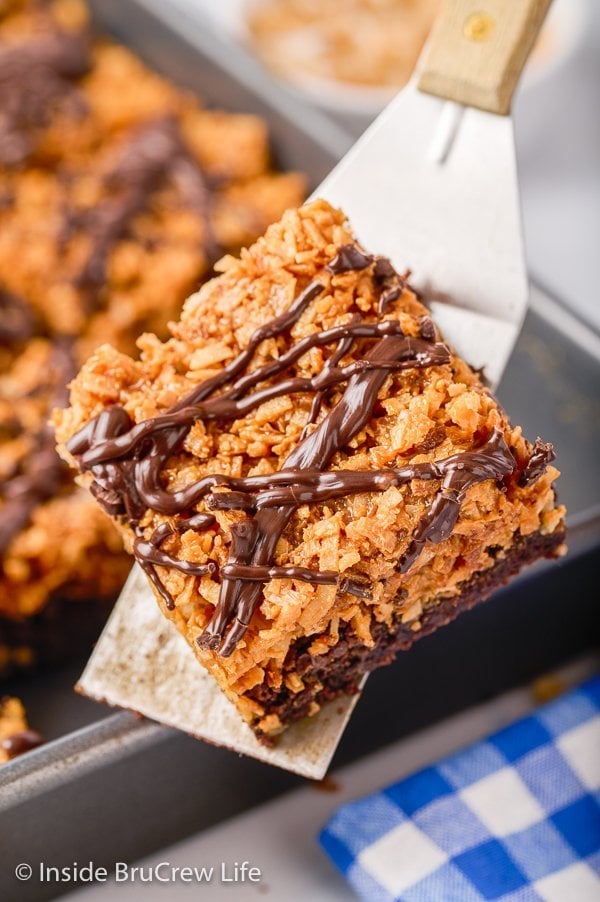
(309, 476)
(118, 191)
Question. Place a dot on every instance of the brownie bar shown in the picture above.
(118, 191)
(334, 483)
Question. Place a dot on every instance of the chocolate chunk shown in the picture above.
(541, 455)
(390, 282)
(383, 269)
(349, 257)
(427, 328)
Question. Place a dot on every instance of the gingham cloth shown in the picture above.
(515, 817)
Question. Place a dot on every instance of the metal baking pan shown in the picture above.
(115, 787)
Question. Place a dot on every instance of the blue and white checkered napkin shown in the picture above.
(515, 817)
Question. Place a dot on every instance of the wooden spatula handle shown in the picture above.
(478, 48)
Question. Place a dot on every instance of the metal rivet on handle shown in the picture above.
(479, 27)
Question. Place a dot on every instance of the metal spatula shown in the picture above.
(432, 184)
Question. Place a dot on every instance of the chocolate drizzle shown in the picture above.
(458, 473)
(41, 472)
(541, 455)
(391, 284)
(17, 322)
(154, 155)
(35, 76)
(38, 475)
(126, 459)
(149, 551)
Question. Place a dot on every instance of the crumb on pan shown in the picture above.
(15, 736)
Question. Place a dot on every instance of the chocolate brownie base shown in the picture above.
(340, 671)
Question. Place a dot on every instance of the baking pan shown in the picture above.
(120, 787)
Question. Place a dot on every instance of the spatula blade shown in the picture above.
(456, 223)
(142, 663)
